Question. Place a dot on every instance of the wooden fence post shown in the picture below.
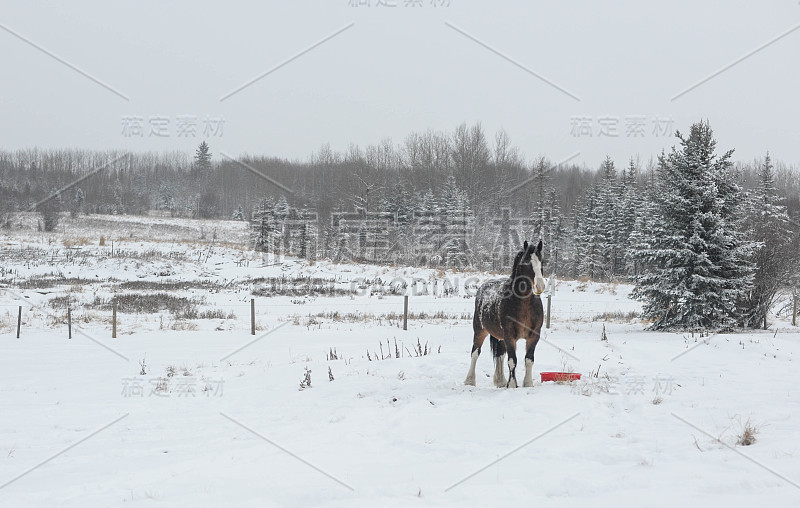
(69, 322)
(114, 320)
(252, 316)
(794, 310)
(548, 310)
(405, 312)
(19, 320)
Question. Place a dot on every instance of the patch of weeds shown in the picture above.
(416, 350)
(150, 303)
(61, 302)
(298, 286)
(215, 314)
(391, 317)
(306, 381)
(747, 436)
(617, 316)
(148, 254)
(46, 282)
(147, 285)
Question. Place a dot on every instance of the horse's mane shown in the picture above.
(517, 259)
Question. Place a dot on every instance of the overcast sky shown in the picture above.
(562, 78)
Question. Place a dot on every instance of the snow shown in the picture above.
(395, 432)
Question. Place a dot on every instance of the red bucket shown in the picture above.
(560, 376)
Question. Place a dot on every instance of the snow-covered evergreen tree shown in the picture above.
(281, 208)
(589, 239)
(606, 211)
(398, 201)
(695, 256)
(265, 228)
(555, 231)
(238, 214)
(202, 159)
(776, 256)
(76, 207)
(166, 199)
(630, 207)
(457, 220)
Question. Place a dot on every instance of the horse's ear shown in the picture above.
(539, 247)
(525, 245)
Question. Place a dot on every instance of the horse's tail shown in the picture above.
(498, 346)
(476, 317)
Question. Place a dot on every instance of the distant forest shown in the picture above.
(425, 172)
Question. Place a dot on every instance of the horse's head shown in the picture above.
(528, 264)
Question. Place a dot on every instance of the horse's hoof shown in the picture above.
(512, 383)
(469, 381)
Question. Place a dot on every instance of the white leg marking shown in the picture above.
(471, 374)
(499, 372)
(513, 379)
(528, 381)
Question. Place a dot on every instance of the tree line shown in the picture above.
(598, 223)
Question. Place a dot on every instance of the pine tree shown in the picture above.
(166, 198)
(202, 159)
(265, 232)
(590, 238)
(630, 207)
(541, 180)
(281, 208)
(555, 232)
(238, 214)
(606, 212)
(776, 256)
(645, 227)
(50, 209)
(695, 255)
(457, 219)
(600, 253)
(76, 207)
(398, 201)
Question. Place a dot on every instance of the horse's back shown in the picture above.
(487, 303)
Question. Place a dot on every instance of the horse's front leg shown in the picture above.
(511, 349)
(530, 347)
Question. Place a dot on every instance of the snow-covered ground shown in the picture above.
(219, 419)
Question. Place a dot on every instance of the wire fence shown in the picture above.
(396, 310)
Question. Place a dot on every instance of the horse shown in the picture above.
(508, 309)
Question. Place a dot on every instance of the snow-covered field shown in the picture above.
(219, 419)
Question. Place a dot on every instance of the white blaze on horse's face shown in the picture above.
(538, 281)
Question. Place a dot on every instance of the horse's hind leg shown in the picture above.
(499, 353)
(477, 342)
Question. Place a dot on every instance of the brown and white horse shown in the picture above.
(510, 309)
